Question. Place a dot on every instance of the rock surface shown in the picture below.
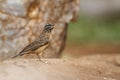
(94, 67)
(22, 21)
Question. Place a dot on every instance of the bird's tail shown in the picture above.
(17, 55)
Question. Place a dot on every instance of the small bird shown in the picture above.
(40, 44)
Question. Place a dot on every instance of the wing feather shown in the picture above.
(39, 42)
(35, 45)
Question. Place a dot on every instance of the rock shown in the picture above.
(94, 67)
(22, 21)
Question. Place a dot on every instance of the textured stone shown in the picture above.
(94, 67)
(21, 22)
(15, 7)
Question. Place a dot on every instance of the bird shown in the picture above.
(40, 44)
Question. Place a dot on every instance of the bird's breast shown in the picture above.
(39, 50)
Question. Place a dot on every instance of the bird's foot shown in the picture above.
(44, 61)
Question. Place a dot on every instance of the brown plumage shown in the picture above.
(40, 44)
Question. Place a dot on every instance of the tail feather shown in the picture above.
(17, 55)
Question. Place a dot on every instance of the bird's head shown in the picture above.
(48, 27)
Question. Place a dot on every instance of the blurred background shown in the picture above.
(97, 30)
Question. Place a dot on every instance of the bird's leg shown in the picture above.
(39, 57)
(45, 61)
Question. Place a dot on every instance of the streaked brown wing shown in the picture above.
(33, 46)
